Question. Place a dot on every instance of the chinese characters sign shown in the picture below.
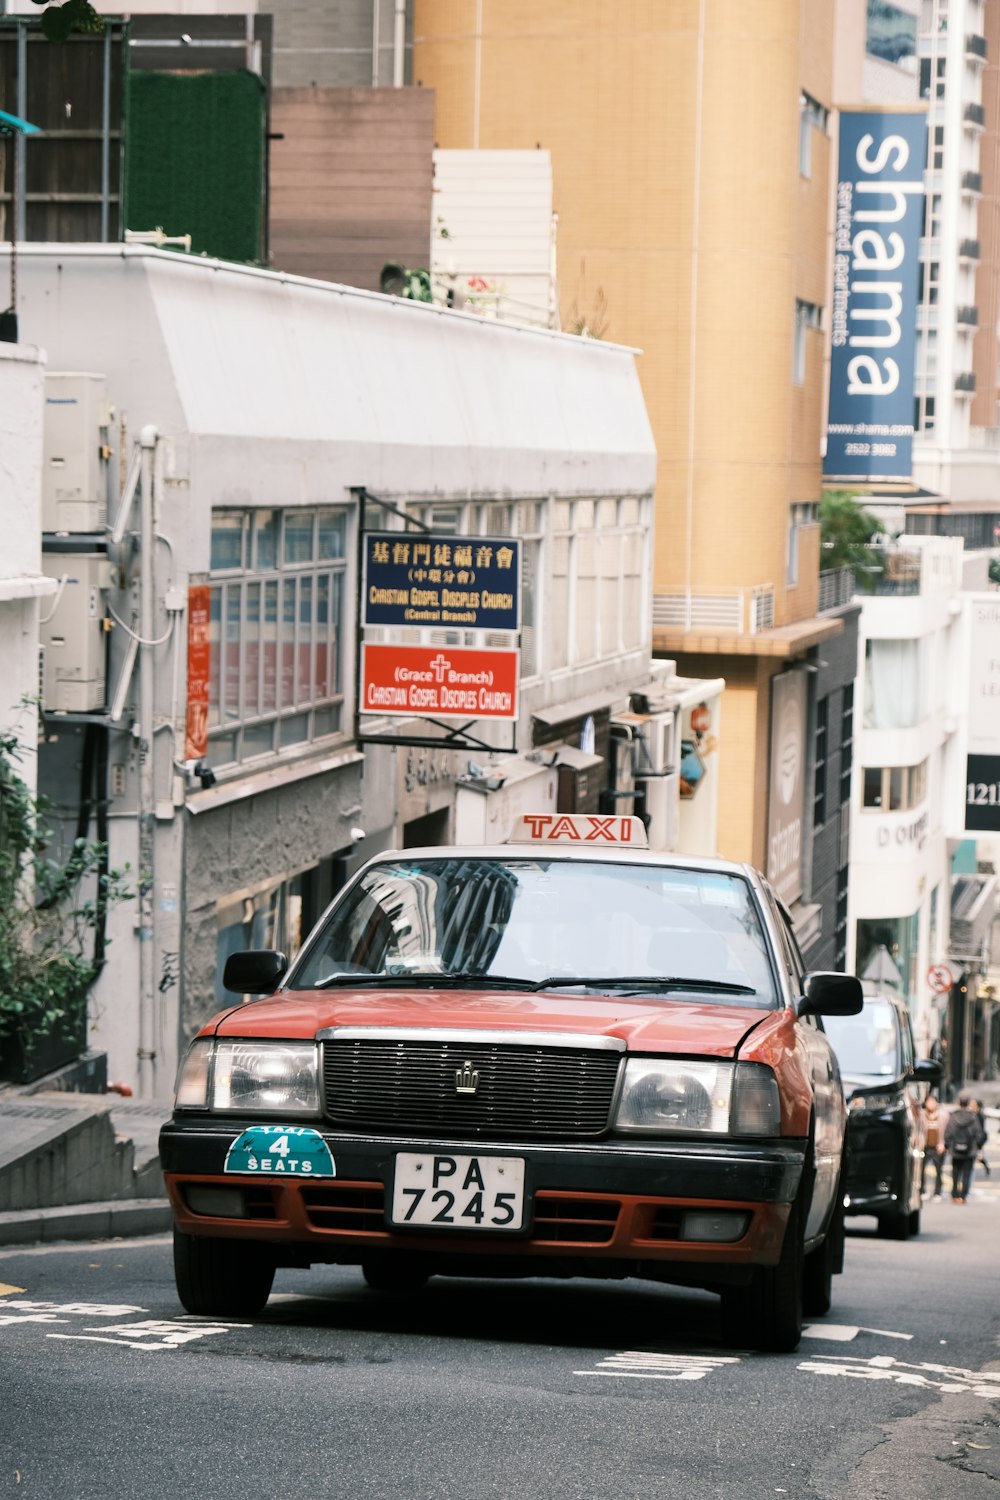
(451, 582)
(409, 681)
(198, 652)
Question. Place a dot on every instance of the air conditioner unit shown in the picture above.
(75, 453)
(656, 745)
(72, 637)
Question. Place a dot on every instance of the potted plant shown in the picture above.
(50, 915)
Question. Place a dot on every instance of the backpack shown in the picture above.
(964, 1137)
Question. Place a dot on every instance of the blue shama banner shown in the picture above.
(879, 221)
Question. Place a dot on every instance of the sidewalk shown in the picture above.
(79, 1166)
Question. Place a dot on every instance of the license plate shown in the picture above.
(458, 1192)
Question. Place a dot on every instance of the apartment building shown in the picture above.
(923, 891)
(691, 161)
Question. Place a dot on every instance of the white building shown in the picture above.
(24, 588)
(908, 814)
(268, 420)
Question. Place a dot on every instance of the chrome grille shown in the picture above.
(408, 1087)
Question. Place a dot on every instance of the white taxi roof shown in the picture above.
(557, 842)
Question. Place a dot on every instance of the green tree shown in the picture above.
(48, 914)
(58, 20)
(846, 530)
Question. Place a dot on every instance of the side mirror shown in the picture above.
(829, 994)
(925, 1071)
(254, 972)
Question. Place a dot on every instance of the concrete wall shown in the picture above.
(22, 397)
(683, 212)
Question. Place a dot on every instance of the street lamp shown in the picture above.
(14, 129)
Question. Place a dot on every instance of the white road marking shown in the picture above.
(153, 1333)
(950, 1381)
(77, 1309)
(644, 1364)
(843, 1333)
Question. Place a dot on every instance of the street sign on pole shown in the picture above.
(940, 978)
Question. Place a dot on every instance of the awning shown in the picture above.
(577, 708)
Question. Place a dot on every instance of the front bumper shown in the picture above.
(611, 1202)
(877, 1161)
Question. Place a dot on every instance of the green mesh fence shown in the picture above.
(194, 159)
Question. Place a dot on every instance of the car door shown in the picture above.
(829, 1109)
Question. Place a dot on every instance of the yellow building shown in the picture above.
(691, 167)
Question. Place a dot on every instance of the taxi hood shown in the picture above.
(650, 1023)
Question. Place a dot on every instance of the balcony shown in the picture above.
(965, 382)
(731, 611)
(974, 114)
(972, 182)
(968, 249)
(967, 316)
(975, 47)
(892, 571)
(836, 588)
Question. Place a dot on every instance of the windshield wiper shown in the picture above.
(647, 982)
(423, 979)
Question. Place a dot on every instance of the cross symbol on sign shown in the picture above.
(440, 665)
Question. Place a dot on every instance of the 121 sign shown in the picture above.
(982, 793)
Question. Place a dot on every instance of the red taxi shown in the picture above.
(564, 1055)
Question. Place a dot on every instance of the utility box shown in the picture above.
(73, 642)
(75, 453)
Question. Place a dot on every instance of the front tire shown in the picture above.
(767, 1314)
(222, 1278)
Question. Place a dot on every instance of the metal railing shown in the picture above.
(737, 611)
(836, 588)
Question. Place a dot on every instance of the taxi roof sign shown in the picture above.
(579, 828)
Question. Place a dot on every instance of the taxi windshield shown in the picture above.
(623, 926)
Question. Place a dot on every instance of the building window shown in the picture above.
(887, 951)
(846, 744)
(812, 116)
(937, 148)
(923, 419)
(819, 777)
(894, 788)
(597, 550)
(892, 684)
(807, 315)
(840, 926)
(891, 34)
(583, 593)
(276, 639)
(801, 513)
(929, 280)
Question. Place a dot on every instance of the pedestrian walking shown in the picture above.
(963, 1140)
(933, 1148)
(977, 1106)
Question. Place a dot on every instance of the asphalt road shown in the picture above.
(570, 1390)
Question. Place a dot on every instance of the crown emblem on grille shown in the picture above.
(466, 1079)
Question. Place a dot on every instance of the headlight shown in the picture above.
(250, 1077)
(704, 1098)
